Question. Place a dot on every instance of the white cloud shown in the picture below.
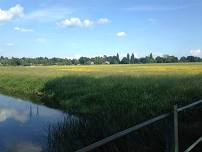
(103, 21)
(72, 22)
(121, 34)
(19, 29)
(88, 23)
(77, 22)
(48, 14)
(6, 113)
(11, 13)
(9, 44)
(197, 52)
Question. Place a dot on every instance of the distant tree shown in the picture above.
(98, 60)
(142, 60)
(15, 61)
(128, 58)
(190, 58)
(150, 59)
(159, 59)
(75, 61)
(183, 59)
(136, 60)
(147, 59)
(84, 60)
(117, 57)
(124, 60)
(66, 62)
(113, 60)
(105, 58)
(151, 56)
(132, 60)
(193, 59)
(170, 59)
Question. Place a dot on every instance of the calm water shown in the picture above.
(24, 125)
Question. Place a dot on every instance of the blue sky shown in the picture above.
(74, 28)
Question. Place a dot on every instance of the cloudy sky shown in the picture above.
(74, 28)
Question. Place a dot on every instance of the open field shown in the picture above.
(117, 82)
(91, 89)
(112, 97)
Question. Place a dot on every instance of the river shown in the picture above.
(24, 125)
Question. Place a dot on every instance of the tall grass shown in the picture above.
(72, 134)
(90, 95)
(110, 104)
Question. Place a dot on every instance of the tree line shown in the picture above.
(129, 59)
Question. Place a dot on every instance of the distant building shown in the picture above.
(107, 62)
(92, 63)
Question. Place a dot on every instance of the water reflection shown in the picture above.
(24, 125)
(25, 147)
(7, 113)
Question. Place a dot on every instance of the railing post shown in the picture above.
(169, 135)
(176, 140)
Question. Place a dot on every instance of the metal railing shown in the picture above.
(146, 123)
(198, 140)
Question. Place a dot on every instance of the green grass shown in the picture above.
(114, 97)
(140, 91)
(89, 89)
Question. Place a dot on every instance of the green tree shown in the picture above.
(132, 60)
(117, 57)
(150, 59)
(128, 58)
(84, 60)
(183, 59)
(124, 60)
(159, 59)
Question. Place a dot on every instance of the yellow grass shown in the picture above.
(136, 69)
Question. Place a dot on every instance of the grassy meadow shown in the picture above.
(87, 88)
(112, 97)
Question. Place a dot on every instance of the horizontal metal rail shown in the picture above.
(189, 106)
(134, 128)
(194, 145)
(122, 133)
